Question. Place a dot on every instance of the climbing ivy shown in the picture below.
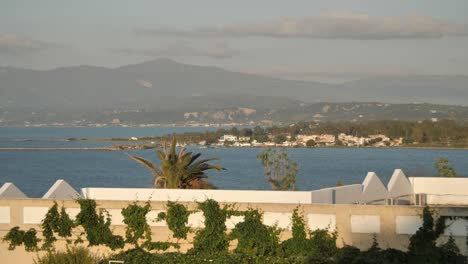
(49, 224)
(16, 237)
(255, 238)
(298, 244)
(59, 223)
(213, 238)
(176, 218)
(137, 227)
(96, 226)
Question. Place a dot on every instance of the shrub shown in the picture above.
(73, 255)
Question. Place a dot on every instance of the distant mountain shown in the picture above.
(150, 84)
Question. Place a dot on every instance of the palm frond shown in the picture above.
(155, 170)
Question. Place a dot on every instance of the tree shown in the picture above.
(179, 170)
(311, 143)
(444, 169)
(259, 134)
(422, 247)
(280, 139)
(280, 171)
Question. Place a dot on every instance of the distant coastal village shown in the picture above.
(445, 134)
(325, 140)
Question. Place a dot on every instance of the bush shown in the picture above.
(255, 238)
(73, 255)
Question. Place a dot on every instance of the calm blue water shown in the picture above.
(35, 171)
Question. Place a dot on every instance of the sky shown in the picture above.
(329, 40)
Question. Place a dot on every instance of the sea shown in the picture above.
(35, 171)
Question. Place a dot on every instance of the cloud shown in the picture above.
(332, 25)
(183, 49)
(18, 45)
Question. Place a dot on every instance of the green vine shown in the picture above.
(96, 226)
(49, 224)
(213, 238)
(137, 227)
(30, 240)
(16, 237)
(255, 238)
(59, 223)
(176, 218)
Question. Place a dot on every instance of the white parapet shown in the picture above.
(185, 195)
(442, 190)
(9, 190)
(61, 190)
(373, 190)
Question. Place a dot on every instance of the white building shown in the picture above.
(230, 138)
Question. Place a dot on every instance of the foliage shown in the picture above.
(279, 139)
(255, 238)
(55, 222)
(450, 253)
(179, 170)
(137, 227)
(96, 227)
(213, 239)
(73, 255)
(279, 169)
(444, 169)
(422, 247)
(176, 218)
(310, 143)
(323, 243)
(16, 237)
(298, 244)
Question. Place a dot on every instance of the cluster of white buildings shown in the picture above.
(378, 140)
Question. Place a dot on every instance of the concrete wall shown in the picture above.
(356, 224)
(440, 190)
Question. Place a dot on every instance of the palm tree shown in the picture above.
(179, 170)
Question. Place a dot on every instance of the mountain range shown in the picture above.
(164, 84)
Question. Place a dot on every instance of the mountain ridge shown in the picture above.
(145, 84)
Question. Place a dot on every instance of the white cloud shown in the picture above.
(18, 45)
(345, 25)
(183, 49)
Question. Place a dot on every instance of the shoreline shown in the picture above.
(143, 146)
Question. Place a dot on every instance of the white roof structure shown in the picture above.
(61, 190)
(373, 190)
(9, 190)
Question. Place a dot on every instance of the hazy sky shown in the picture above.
(319, 40)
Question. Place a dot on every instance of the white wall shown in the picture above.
(442, 190)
